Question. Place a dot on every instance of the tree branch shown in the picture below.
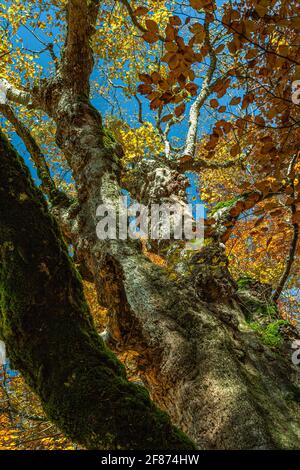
(294, 241)
(20, 414)
(164, 134)
(222, 221)
(77, 57)
(140, 109)
(50, 336)
(190, 145)
(135, 20)
(48, 185)
(259, 46)
(14, 94)
(48, 46)
(202, 164)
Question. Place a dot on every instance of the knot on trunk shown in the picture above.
(210, 274)
(154, 182)
(255, 299)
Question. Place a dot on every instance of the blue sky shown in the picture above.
(129, 106)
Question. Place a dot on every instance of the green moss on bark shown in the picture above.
(270, 334)
(50, 335)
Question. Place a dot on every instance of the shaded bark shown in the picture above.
(50, 336)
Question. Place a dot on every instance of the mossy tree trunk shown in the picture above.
(50, 336)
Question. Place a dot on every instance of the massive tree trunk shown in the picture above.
(204, 365)
(50, 336)
(201, 361)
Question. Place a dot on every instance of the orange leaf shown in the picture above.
(167, 117)
(150, 37)
(192, 88)
(234, 101)
(214, 103)
(179, 110)
(175, 20)
(152, 26)
(140, 11)
(144, 77)
(144, 89)
(235, 150)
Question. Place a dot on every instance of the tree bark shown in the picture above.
(50, 336)
(201, 361)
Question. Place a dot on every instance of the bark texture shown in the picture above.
(50, 335)
(200, 359)
(204, 365)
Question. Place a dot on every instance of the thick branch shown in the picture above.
(202, 164)
(14, 94)
(55, 195)
(222, 221)
(77, 61)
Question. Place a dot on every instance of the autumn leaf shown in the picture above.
(150, 37)
(140, 11)
(179, 110)
(152, 26)
(144, 77)
(234, 101)
(144, 89)
(214, 103)
(175, 20)
(192, 88)
(167, 117)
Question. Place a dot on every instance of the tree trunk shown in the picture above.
(204, 365)
(201, 361)
(50, 336)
